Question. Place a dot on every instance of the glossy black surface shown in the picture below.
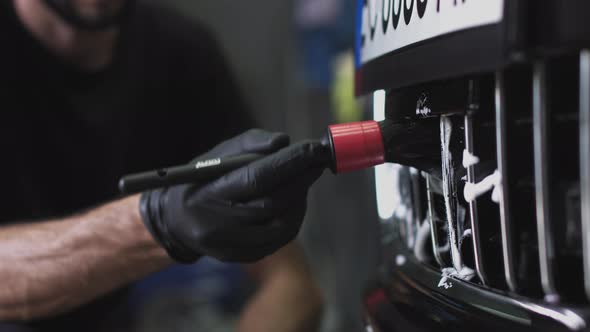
(407, 297)
(530, 28)
(441, 58)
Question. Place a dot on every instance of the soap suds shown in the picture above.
(422, 106)
(464, 274)
(425, 111)
(497, 192)
(474, 190)
(469, 159)
(449, 189)
(400, 260)
(456, 254)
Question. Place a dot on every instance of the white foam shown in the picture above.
(400, 260)
(497, 193)
(464, 274)
(469, 159)
(474, 190)
(449, 192)
(455, 253)
(424, 111)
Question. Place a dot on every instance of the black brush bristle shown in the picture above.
(415, 144)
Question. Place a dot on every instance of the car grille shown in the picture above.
(510, 208)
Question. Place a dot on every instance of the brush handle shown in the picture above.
(196, 172)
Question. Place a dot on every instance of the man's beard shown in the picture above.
(70, 15)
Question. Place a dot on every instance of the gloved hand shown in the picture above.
(245, 215)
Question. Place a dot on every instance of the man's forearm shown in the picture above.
(52, 267)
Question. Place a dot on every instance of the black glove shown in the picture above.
(244, 215)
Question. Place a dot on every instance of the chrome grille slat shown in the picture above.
(519, 201)
(475, 234)
(544, 232)
(433, 229)
(505, 224)
(417, 215)
(585, 162)
(450, 192)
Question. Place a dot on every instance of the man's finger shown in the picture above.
(270, 173)
(252, 141)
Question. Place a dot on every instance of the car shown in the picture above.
(498, 236)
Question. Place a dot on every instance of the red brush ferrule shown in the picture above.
(357, 145)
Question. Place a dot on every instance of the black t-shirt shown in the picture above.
(66, 136)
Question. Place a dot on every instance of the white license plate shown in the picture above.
(388, 25)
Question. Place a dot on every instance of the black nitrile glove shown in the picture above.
(245, 215)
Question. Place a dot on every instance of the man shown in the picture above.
(94, 89)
